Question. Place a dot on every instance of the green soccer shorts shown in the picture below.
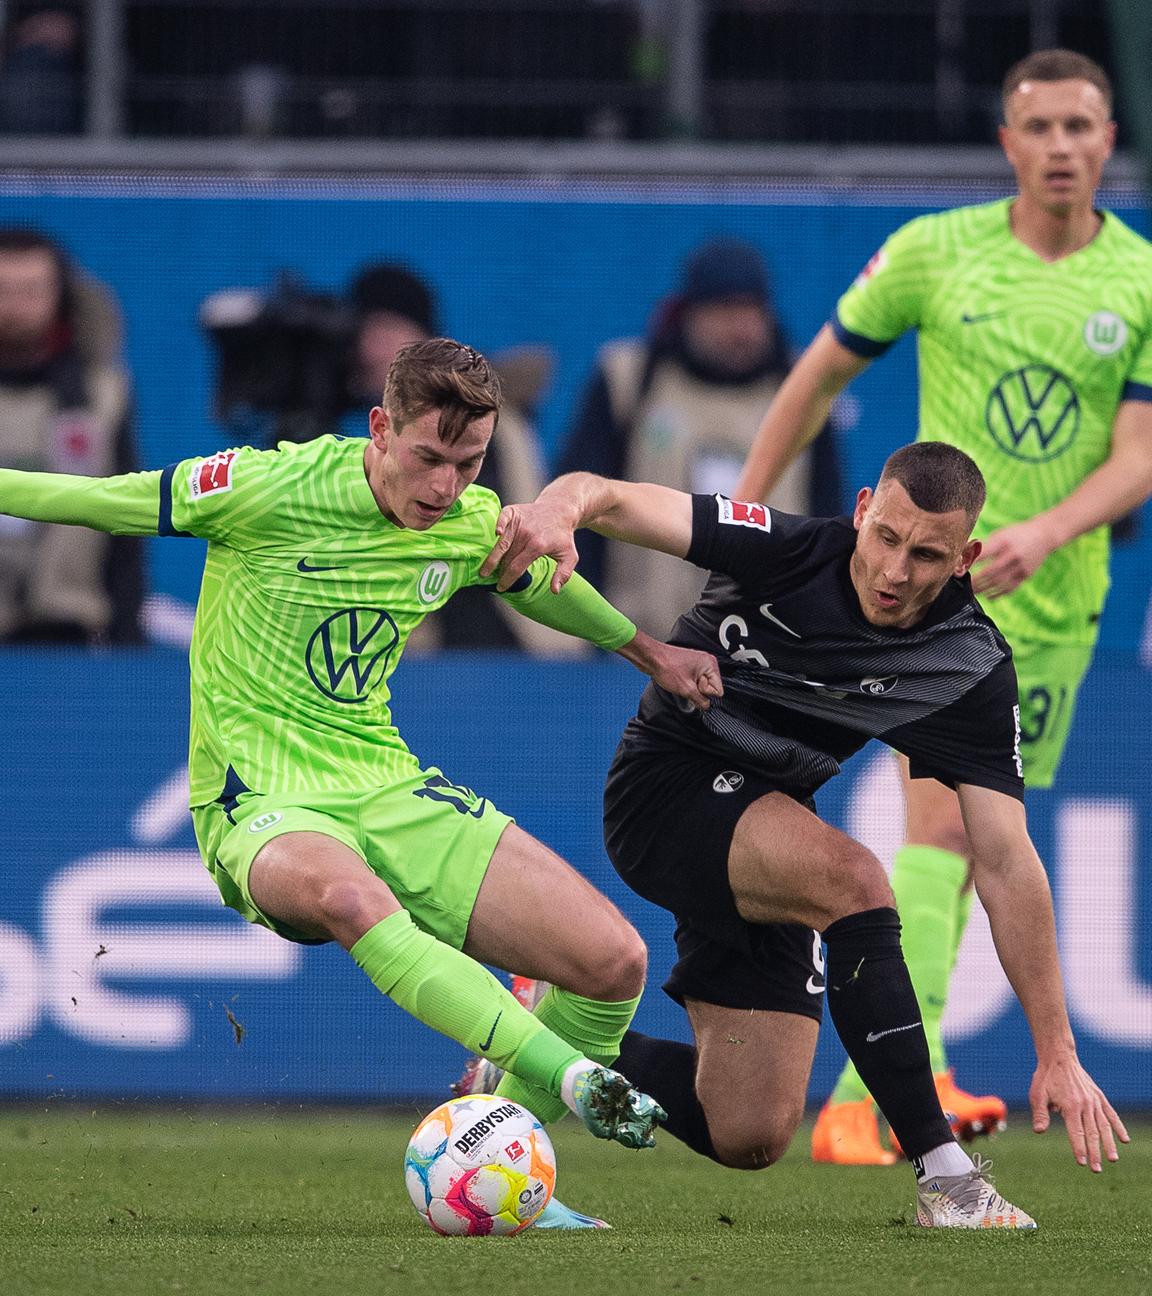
(1048, 677)
(427, 838)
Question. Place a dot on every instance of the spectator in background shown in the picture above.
(65, 406)
(40, 81)
(394, 307)
(681, 408)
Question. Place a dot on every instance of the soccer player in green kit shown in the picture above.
(312, 815)
(1034, 324)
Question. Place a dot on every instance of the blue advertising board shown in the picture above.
(121, 974)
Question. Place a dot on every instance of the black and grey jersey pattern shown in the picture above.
(808, 679)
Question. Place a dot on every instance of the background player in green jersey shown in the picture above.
(311, 813)
(1034, 324)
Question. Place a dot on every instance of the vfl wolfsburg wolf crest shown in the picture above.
(1033, 413)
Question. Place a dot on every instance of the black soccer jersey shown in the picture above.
(808, 679)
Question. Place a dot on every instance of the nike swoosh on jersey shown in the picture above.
(769, 616)
(976, 319)
(814, 986)
(895, 1030)
(304, 566)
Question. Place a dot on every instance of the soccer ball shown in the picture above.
(480, 1165)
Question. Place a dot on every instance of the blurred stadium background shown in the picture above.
(546, 165)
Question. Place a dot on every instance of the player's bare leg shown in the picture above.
(752, 1071)
(786, 865)
(317, 886)
(931, 881)
(566, 934)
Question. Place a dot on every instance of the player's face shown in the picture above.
(1057, 138)
(29, 298)
(904, 556)
(415, 476)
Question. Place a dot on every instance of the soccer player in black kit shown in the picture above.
(829, 632)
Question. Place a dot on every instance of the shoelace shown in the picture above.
(966, 1194)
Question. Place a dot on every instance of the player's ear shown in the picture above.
(863, 499)
(968, 556)
(379, 425)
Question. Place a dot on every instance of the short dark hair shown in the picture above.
(1056, 65)
(937, 477)
(443, 375)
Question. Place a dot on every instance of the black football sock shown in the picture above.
(667, 1071)
(874, 1010)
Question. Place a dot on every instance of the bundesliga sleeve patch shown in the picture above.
(878, 262)
(211, 475)
(738, 513)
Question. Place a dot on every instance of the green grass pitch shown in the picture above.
(148, 1202)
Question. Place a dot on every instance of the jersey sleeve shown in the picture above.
(741, 540)
(128, 504)
(579, 609)
(888, 295)
(975, 739)
(1138, 381)
(230, 497)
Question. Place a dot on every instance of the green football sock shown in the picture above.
(963, 913)
(926, 882)
(593, 1026)
(460, 998)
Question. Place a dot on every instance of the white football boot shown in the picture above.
(967, 1201)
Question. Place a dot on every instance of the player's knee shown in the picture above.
(863, 884)
(752, 1148)
(619, 966)
(749, 1136)
(346, 909)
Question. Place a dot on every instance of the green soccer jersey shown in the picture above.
(1023, 364)
(308, 598)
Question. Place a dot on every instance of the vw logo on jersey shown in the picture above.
(1105, 333)
(729, 781)
(348, 653)
(1033, 413)
(433, 582)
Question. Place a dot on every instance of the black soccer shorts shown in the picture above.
(669, 817)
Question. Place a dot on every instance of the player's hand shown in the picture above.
(1009, 556)
(526, 532)
(1063, 1086)
(685, 672)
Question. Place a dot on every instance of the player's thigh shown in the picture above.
(535, 915)
(1048, 678)
(752, 1077)
(431, 841)
(785, 865)
(292, 868)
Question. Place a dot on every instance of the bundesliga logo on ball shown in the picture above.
(480, 1165)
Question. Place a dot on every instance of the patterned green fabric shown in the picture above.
(1023, 364)
(308, 598)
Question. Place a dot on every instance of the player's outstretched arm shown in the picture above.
(692, 675)
(1013, 888)
(1121, 483)
(798, 412)
(655, 517)
(125, 505)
